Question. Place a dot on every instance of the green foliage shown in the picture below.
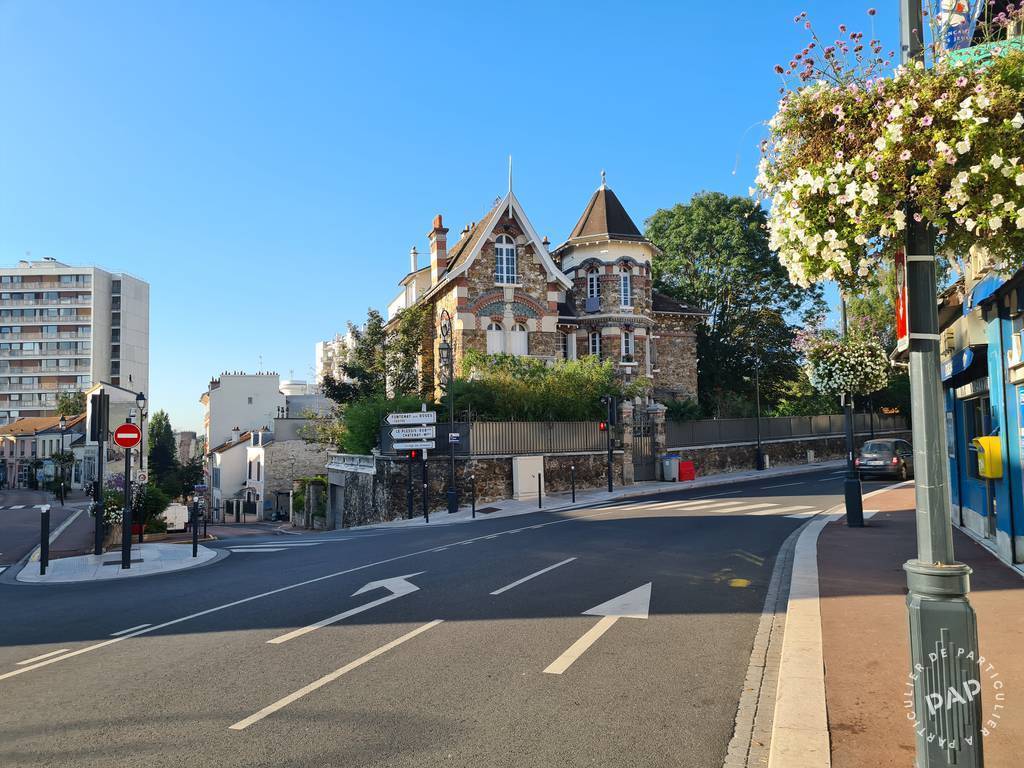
(715, 256)
(508, 387)
(163, 453)
(327, 430)
(149, 502)
(362, 420)
(409, 329)
(70, 403)
(799, 398)
(683, 410)
(365, 369)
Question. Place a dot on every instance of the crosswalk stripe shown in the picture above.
(744, 507)
(780, 510)
(256, 549)
(803, 515)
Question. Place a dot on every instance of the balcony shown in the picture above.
(40, 302)
(44, 386)
(48, 285)
(29, 336)
(31, 353)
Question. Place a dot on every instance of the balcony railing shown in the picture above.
(46, 286)
(44, 386)
(41, 302)
(44, 353)
(29, 336)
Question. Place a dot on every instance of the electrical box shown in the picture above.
(990, 457)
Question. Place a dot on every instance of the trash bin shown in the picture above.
(687, 471)
(669, 468)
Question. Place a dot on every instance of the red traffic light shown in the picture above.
(414, 455)
(603, 426)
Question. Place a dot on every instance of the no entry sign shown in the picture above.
(127, 436)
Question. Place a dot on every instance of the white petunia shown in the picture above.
(1018, 121)
(963, 146)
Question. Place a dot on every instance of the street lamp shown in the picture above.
(940, 615)
(63, 426)
(759, 455)
(447, 360)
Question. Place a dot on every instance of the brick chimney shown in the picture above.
(438, 249)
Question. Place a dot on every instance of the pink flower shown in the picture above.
(926, 120)
(905, 155)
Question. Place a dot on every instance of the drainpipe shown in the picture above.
(1003, 379)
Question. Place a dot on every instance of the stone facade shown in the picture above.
(287, 460)
(506, 292)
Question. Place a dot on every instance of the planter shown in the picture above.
(137, 528)
(112, 537)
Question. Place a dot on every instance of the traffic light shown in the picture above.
(414, 455)
(603, 426)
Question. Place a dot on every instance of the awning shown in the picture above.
(982, 291)
(972, 360)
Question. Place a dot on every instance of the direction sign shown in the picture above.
(127, 435)
(413, 433)
(415, 417)
(415, 445)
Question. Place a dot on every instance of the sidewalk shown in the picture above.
(557, 502)
(147, 559)
(865, 637)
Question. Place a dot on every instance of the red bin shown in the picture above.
(687, 471)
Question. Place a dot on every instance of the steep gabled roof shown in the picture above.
(605, 217)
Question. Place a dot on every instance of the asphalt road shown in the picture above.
(439, 670)
(19, 522)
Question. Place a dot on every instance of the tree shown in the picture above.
(163, 459)
(410, 329)
(364, 373)
(715, 256)
(190, 474)
(70, 403)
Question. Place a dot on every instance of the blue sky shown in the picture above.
(267, 166)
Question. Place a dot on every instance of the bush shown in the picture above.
(683, 410)
(363, 419)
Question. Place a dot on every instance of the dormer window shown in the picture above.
(626, 287)
(505, 272)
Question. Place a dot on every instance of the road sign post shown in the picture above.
(127, 436)
(44, 539)
(98, 426)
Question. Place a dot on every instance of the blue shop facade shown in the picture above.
(982, 321)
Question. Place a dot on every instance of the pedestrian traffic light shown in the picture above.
(414, 455)
(603, 426)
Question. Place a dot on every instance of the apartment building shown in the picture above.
(65, 328)
(331, 355)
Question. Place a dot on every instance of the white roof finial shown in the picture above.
(603, 181)
(510, 174)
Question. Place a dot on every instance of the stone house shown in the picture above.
(275, 460)
(508, 292)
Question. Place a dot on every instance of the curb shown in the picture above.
(34, 557)
(711, 481)
(800, 733)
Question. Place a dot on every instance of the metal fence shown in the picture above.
(502, 438)
(723, 431)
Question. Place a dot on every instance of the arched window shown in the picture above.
(595, 343)
(626, 287)
(593, 282)
(505, 261)
(495, 339)
(518, 344)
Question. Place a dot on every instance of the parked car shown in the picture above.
(891, 457)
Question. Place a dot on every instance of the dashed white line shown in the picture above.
(43, 656)
(256, 549)
(784, 485)
(712, 495)
(534, 575)
(130, 629)
(780, 510)
(320, 683)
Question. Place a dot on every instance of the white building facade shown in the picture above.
(242, 401)
(65, 328)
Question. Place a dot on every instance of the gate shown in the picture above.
(643, 447)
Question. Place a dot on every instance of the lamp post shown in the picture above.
(447, 359)
(757, 417)
(63, 426)
(140, 400)
(852, 489)
(943, 627)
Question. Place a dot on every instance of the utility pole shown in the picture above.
(852, 489)
(943, 627)
(757, 399)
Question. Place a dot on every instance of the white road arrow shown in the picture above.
(396, 585)
(634, 604)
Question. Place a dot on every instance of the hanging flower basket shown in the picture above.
(851, 148)
(852, 365)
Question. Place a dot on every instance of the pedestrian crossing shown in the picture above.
(734, 506)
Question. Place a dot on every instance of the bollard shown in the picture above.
(540, 493)
(572, 475)
(472, 480)
(44, 539)
(195, 529)
(204, 526)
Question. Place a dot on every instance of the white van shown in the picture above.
(176, 516)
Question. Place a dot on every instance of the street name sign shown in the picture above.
(414, 417)
(414, 433)
(417, 445)
(453, 438)
(127, 436)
